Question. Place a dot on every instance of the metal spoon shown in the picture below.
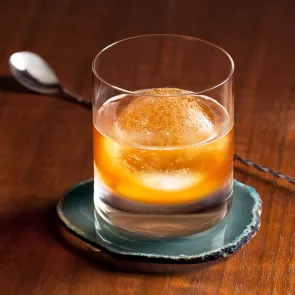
(34, 73)
(30, 70)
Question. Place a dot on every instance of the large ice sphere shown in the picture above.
(166, 117)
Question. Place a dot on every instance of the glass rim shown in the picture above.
(125, 91)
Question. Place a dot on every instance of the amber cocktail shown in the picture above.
(163, 156)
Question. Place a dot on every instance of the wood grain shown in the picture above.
(46, 144)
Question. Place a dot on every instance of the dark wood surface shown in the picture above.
(46, 143)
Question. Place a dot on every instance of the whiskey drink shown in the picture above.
(163, 115)
(163, 151)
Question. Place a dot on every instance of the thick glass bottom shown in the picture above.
(132, 219)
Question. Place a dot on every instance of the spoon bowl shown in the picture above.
(34, 73)
(30, 70)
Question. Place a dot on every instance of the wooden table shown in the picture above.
(46, 143)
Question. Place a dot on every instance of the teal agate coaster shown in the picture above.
(76, 212)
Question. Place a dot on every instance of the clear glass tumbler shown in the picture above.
(163, 136)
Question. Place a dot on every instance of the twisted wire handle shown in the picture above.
(277, 174)
(265, 169)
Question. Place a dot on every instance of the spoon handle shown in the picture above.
(88, 104)
(265, 169)
(75, 98)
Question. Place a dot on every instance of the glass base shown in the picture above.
(132, 219)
